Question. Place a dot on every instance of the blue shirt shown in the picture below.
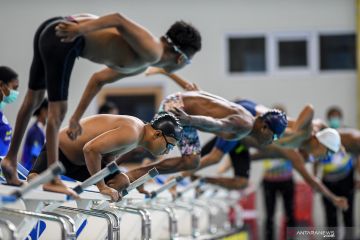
(34, 142)
(5, 135)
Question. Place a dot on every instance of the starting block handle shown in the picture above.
(166, 186)
(140, 181)
(194, 184)
(97, 177)
(46, 176)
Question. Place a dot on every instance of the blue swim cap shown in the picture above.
(277, 122)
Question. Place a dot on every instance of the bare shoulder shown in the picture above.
(350, 133)
(241, 122)
(237, 127)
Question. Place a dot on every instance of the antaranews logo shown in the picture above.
(300, 233)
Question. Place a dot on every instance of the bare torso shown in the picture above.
(108, 47)
(205, 104)
(93, 127)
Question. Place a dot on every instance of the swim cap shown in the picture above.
(168, 124)
(276, 120)
(330, 138)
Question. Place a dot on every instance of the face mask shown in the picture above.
(2, 105)
(334, 122)
(12, 96)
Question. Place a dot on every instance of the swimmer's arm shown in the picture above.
(140, 39)
(166, 166)
(305, 118)
(213, 157)
(315, 168)
(262, 154)
(300, 129)
(96, 82)
(224, 167)
(293, 140)
(184, 84)
(106, 143)
(235, 125)
(299, 165)
(229, 183)
(222, 125)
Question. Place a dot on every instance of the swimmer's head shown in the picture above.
(168, 132)
(183, 40)
(270, 126)
(325, 143)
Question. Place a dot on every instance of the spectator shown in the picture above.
(35, 136)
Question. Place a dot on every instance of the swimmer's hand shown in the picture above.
(184, 118)
(341, 202)
(114, 194)
(119, 182)
(154, 70)
(141, 189)
(74, 130)
(191, 87)
(68, 31)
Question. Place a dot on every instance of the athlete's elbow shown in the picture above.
(309, 110)
(89, 150)
(313, 183)
(98, 81)
(118, 19)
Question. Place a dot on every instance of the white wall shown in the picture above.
(19, 20)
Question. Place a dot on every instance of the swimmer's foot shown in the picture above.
(10, 173)
(58, 186)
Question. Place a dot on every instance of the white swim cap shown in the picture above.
(330, 138)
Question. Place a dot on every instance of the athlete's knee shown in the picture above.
(33, 99)
(191, 162)
(56, 112)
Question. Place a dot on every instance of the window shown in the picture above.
(246, 54)
(292, 53)
(337, 52)
(284, 53)
(139, 102)
(140, 106)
